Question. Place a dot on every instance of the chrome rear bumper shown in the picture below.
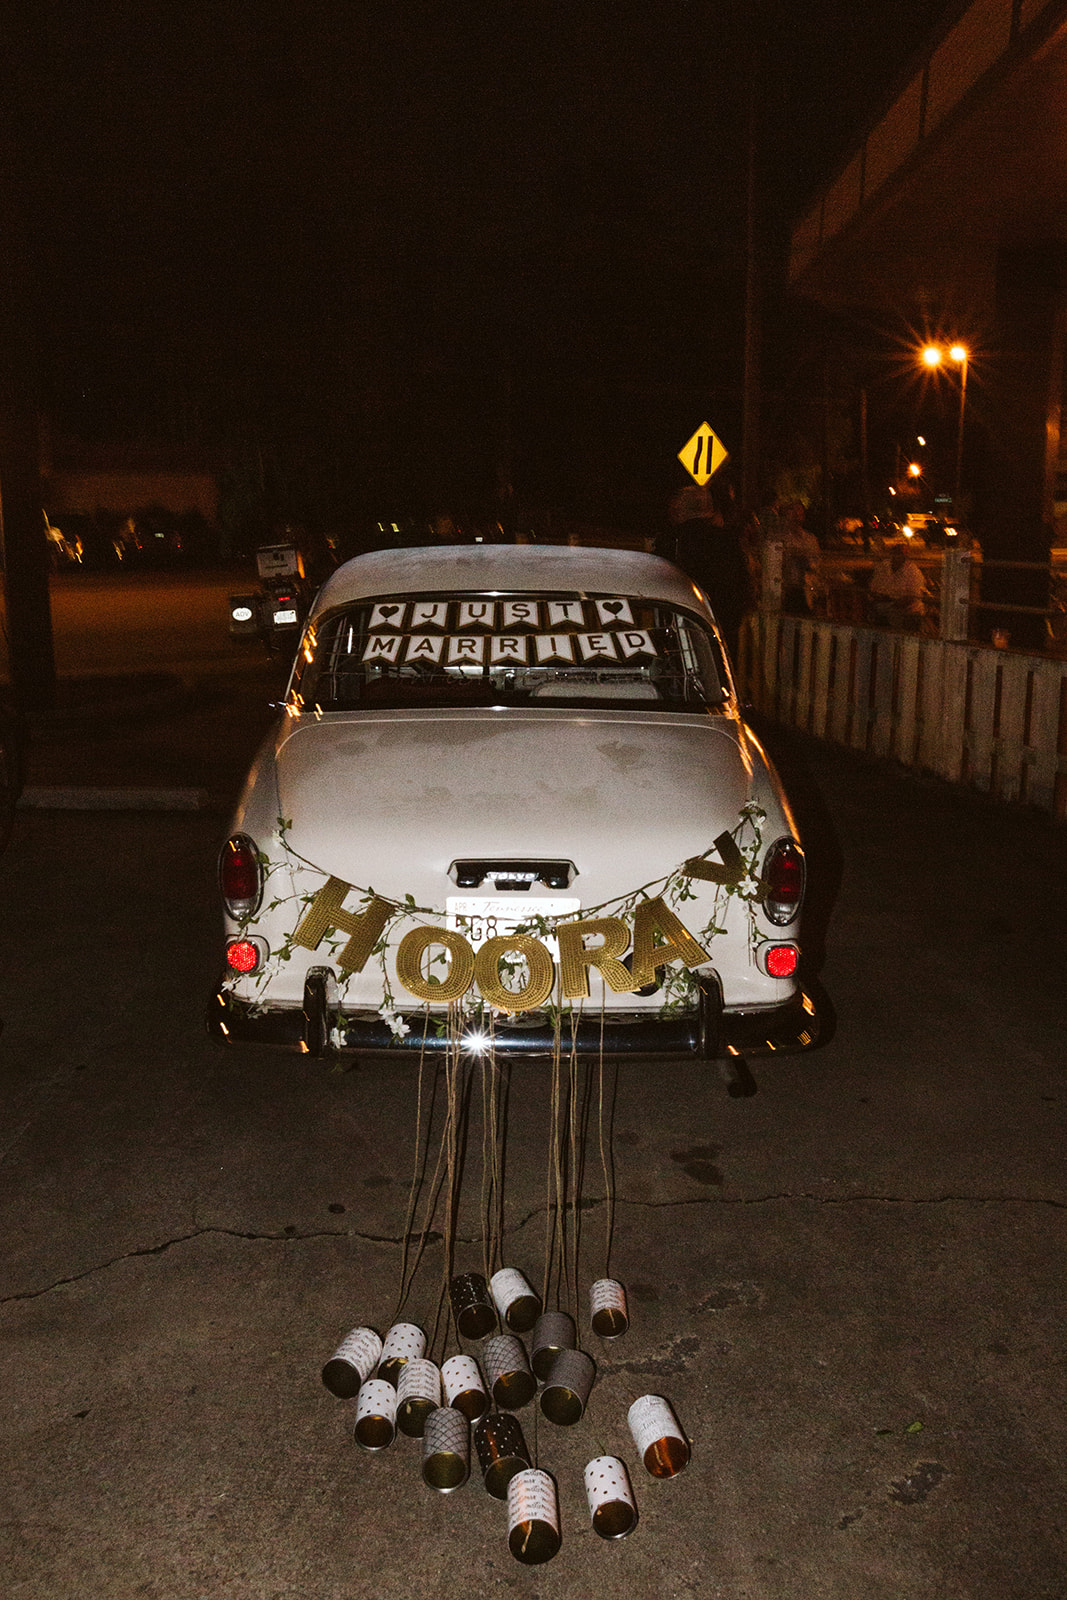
(708, 1035)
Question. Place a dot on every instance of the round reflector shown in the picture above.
(782, 960)
(242, 955)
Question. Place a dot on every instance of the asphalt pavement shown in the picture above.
(850, 1285)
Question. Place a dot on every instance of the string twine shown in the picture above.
(493, 1134)
(553, 1176)
(453, 1070)
(417, 1176)
(575, 1163)
(606, 1149)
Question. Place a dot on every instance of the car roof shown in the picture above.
(488, 568)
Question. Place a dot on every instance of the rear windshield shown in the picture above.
(509, 649)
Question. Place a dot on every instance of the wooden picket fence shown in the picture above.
(992, 719)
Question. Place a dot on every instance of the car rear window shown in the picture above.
(437, 650)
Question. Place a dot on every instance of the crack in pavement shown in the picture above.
(292, 1236)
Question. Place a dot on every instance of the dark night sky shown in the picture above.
(415, 208)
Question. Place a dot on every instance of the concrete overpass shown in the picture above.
(949, 218)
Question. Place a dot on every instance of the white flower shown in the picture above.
(393, 1021)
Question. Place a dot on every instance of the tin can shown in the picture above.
(446, 1450)
(607, 1308)
(375, 1414)
(518, 1305)
(404, 1342)
(566, 1390)
(418, 1392)
(465, 1387)
(661, 1444)
(533, 1517)
(472, 1305)
(352, 1362)
(507, 1371)
(501, 1451)
(553, 1331)
(610, 1497)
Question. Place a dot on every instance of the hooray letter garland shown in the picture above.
(660, 940)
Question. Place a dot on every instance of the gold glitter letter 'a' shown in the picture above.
(325, 915)
(650, 918)
(575, 958)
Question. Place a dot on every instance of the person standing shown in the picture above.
(801, 560)
(710, 553)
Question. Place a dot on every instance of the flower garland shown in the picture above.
(734, 876)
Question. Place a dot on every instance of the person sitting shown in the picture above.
(898, 591)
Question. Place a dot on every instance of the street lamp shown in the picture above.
(932, 356)
(958, 352)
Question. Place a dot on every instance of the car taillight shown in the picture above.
(240, 875)
(783, 877)
(781, 960)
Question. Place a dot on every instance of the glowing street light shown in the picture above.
(932, 356)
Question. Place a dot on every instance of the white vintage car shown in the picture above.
(510, 798)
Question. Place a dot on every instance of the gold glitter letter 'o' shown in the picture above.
(542, 973)
(409, 964)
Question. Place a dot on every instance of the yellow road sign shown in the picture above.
(703, 455)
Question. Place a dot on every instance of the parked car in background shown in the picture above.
(511, 791)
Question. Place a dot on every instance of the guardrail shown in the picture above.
(955, 608)
(993, 719)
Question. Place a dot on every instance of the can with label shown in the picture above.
(464, 1387)
(566, 1390)
(446, 1450)
(610, 1497)
(375, 1414)
(352, 1362)
(507, 1371)
(553, 1331)
(472, 1305)
(518, 1304)
(607, 1308)
(418, 1392)
(661, 1444)
(533, 1517)
(404, 1342)
(501, 1451)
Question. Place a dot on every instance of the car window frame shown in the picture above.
(294, 702)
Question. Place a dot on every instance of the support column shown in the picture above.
(1020, 409)
(26, 592)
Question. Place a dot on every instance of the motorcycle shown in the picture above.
(275, 612)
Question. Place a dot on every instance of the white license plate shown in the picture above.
(478, 918)
(282, 617)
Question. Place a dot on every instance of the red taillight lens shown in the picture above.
(783, 877)
(782, 960)
(242, 955)
(240, 875)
